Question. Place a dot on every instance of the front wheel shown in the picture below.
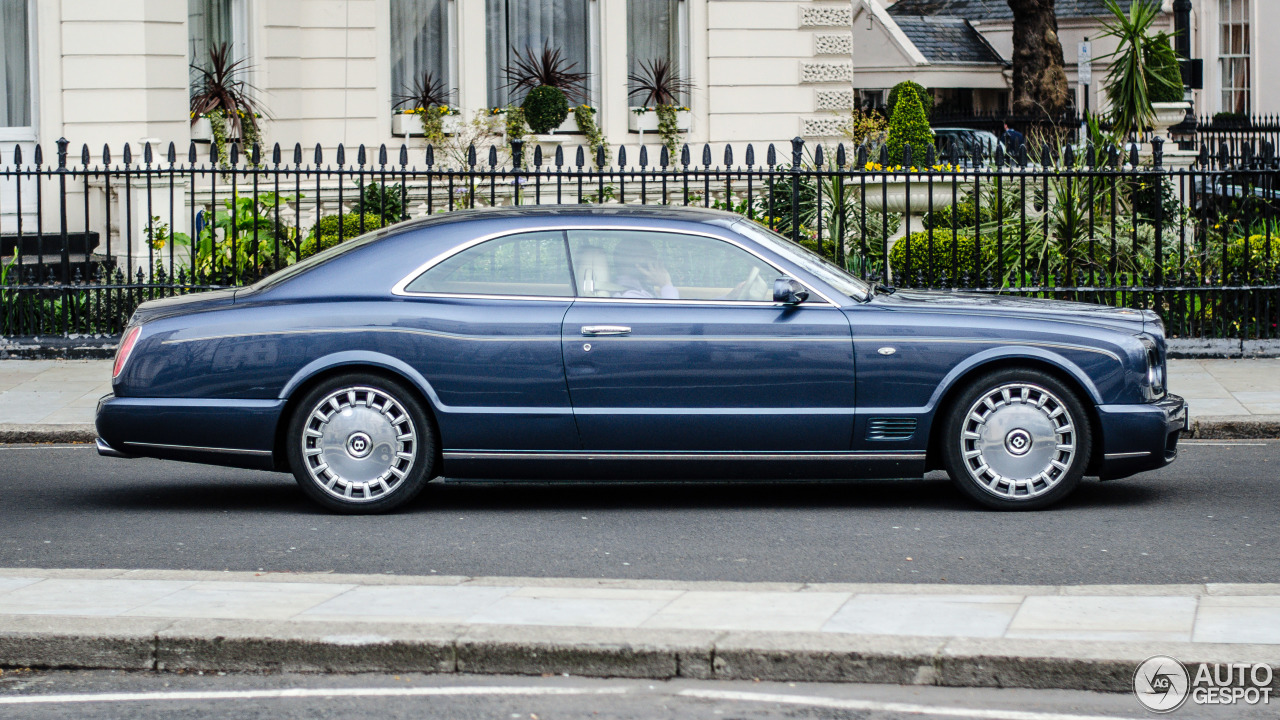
(361, 444)
(1017, 439)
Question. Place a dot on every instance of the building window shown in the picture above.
(517, 26)
(15, 72)
(1234, 55)
(422, 42)
(656, 30)
(210, 24)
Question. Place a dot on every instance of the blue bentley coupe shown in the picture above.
(631, 342)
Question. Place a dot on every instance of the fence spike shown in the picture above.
(771, 156)
(62, 152)
(84, 154)
(171, 154)
(600, 157)
(664, 157)
(1000, 158)
(579, 158)
(884, 156)
(907, 155)
(1023, 156)
(644, 157)
(559, 157)
(841, 158)
(297, 153)
(953, 149)
(728, 155)
(537, 156)
(255, 153)
(517, 153)
(685, 156)
(235, 153)
(342, 155)
(404, 155)
(1090, 155)
(431, 155)
(471, 156)
(930, 157)
(127, 155)
(862, 160)
(1157, 150)
(622, 156)
(146, 153)
(1069, 157)
(38, 156)
(275, 154)
(106, 155)
(382, 155)
(819, 156)
(751, 155)
(493, 156)
(706, 155)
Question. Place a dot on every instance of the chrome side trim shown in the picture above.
(106, 450)
(198, 448)
(400, 287)
(1122, 456)
(989, 341)
(505, 338)
(586, 455)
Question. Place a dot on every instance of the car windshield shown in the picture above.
(811, 262)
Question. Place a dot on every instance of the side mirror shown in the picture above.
(786, 290)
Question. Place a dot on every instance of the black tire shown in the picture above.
(1004, 436)
(374, 451)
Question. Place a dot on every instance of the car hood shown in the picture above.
(182, 305)
(1124, 319)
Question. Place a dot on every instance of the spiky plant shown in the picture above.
(424, 93)
(530, 70)
(660, 83)
(1129, 82)
(221, 86)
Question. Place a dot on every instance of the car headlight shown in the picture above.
(1155, 380)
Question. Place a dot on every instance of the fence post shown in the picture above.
(797, 156)
(62, 209)
(1157, 155)
(517, 156)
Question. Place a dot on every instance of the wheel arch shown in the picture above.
(1059, 367)
(343, 363)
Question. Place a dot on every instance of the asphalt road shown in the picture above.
(94, 695)
(1213, 516)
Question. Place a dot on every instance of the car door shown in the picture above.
(487, 322)
(675, 344)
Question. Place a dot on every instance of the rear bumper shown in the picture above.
(1137, 438)
(237, 433)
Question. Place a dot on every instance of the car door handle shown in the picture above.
(596, 330)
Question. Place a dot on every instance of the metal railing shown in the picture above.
(84, 243)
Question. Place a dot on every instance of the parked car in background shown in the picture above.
(631, 342)
(965, 140)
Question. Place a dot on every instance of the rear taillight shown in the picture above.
(122, 353)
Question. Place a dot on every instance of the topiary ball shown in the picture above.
(1162, 62)
(545, 107)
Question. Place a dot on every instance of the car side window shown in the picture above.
(531, 264)
(621, 263)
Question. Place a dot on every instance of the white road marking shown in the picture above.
(877, 706)
(1219, 443)
(300, 693)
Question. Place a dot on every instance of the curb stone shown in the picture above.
(263, 646)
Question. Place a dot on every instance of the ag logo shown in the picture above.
(1161, 684)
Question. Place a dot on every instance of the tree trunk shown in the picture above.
(1039, 81)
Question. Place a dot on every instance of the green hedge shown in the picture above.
(327, 231)
(942, 245)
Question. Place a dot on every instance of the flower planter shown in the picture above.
(647, 120)
(1168, 114)
(889, 194)
(548, 143)
(202, 131)
(406, 125)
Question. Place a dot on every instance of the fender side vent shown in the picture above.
(898, 428)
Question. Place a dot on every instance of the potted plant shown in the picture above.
(660, 111)
(550, 83)
(222, 105)
(1140, 74)
(425, 104)
(897, 191)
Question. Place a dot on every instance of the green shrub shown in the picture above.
(940, 249)
(1240, 251)
(959, 216)
(909, 127)
(325, 234)
(385, 201)
(1164, 76)
(926, 97)
(545, 107)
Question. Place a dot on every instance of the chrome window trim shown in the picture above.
(400, 288)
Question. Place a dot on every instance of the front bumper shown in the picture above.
(1137, 438)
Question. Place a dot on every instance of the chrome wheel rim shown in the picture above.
(1018, 441)
(359, 444)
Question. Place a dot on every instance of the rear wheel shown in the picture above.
(1017, 439)
(361, 444)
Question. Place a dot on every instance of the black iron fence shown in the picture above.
(86, 239)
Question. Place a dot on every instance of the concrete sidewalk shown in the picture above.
(54, 400)
(1080, 637)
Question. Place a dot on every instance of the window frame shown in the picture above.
(593, 54)
(682, 53)
(241, 45)
(28, 133)
(452, 79)
(400, 289)
(1229, 23)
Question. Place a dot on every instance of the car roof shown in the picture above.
(568, 212)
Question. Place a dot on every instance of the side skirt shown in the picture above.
(582, 465)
